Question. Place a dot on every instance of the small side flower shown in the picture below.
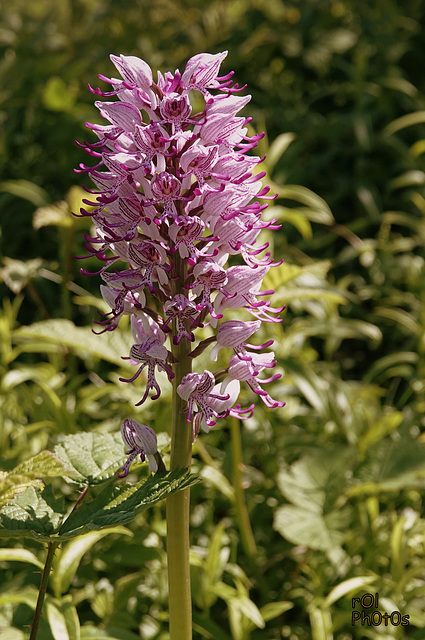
(142, 441)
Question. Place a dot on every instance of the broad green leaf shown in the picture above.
(120, 503)
(68, 559)
(29, 473)
(302, 486)
(110, 346)
(33, 514)
(310, 528)
(62, 618)
(92, 457)
(321, 623)
(352, 585)
(12, 486)
(12, 633)
(56, 214)
(43, 465)
(16, 273)
(20, 555)
(24, 595)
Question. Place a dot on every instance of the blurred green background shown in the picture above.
(334, 481)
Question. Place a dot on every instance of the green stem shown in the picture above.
(51, 548)
(177, 505)
(247, 537)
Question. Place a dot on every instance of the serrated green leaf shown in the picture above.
(120, 503)
(43, 465)
(109, 346)
(92, 457)
(67, 561)
(14, 485)
(29, 474)
(33, 514)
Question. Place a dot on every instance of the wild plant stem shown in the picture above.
(178, 504)
(51, 548)
(247, 537)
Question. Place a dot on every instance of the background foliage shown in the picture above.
(334, 481)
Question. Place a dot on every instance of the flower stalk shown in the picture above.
(178, 508)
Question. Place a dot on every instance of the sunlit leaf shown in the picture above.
(32, 514)
(20, 555)
(62, 618)
(56, 214)
(110, 346)
(26, 190)
(120, 503)
(309, 528)
(16, 274)
(92, 457)
(351, 586)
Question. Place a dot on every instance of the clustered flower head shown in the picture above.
(176, 196)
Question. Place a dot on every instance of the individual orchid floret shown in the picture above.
(233, 334)
(184, 311)
(142, 441)
(149, 351)
(201, 72)
(248, 372)
(121, 303)
(198, 390)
